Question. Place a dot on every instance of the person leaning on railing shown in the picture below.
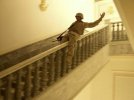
(74, 32)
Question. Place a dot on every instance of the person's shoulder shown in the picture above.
(73, 22)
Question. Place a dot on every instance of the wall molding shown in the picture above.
(120, 73)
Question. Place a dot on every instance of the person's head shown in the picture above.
(79, 16)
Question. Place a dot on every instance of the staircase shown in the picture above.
(28, 79)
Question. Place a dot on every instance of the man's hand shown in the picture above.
(102, 15)
(100, 19)
(59, 38)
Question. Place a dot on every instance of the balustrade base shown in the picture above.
(72, 83)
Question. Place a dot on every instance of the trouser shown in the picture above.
(72, 38)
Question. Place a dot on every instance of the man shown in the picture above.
(74, 32)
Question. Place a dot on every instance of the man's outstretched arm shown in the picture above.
(95, 23)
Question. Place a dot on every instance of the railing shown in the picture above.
(27, 79)
(118, 32)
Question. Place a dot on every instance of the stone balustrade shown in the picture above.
(118, 32)
(30, 77)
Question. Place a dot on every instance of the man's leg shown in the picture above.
(71, 48)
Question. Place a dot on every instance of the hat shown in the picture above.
(79, 15)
